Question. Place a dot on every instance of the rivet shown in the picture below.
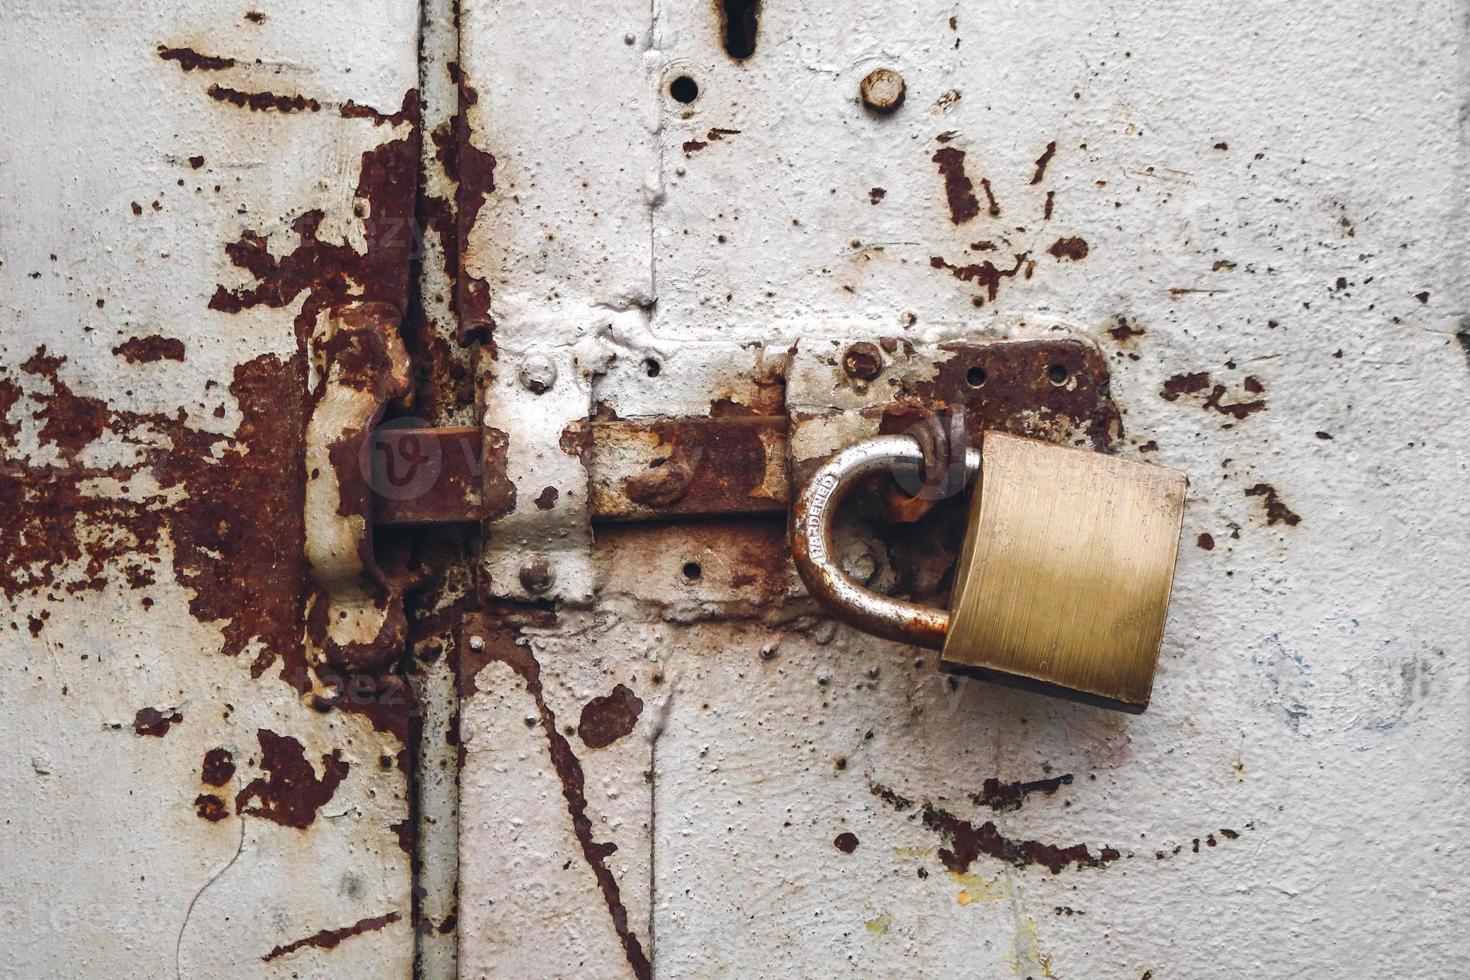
(882, 90)
(538, 373)
(863, 361)
(536, 575)
(477, 643)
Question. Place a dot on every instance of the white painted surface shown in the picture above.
(109, 871)
(1311, 696)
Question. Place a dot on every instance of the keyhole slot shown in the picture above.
(739, 22)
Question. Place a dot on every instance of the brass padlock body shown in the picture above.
(1064, 579)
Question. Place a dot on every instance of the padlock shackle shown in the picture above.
(811, 543)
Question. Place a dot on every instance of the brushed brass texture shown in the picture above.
(1065, 575)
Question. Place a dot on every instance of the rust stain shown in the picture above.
(547, 498)
(408, 112)
(607, 719)
(1184, 384)
(1042, 161)
(1276, 510)
(692, 147)
(218, 767)
(986, 274)
(331, 938)
(210, 807)
(876, 194)
(10, 393)
(1123, 331)
(1197, 382)
(151, 721)
(291, 792)
(1068, 248)
(263, 101)
(1003, 797)
(992, 208)
(474, 171)
(846, 842)
(500, 646)
(188, 59)
(967, 842)
(1205, 542)
(146, 350)
(959, 191)
(72, 421)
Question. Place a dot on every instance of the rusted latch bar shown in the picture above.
(640, 470)
(744, 463)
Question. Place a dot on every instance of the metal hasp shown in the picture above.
(1063, 583)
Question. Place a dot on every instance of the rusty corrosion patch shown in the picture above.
(1199, 383)
(959, 190)
(218, 767)
(967, 842)
(263, 101)
(473, 170)
(1042, 161)
(331, 938)
(606, 719)
(498, 644)
(151, 721)
(1073, 248)
(291, 792)
(188, 59)
(210, 807)
(1003, 797)
(986, 274)
(1276, 510)
(146, 350)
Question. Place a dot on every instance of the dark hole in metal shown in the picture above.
(652, 367)
(684, 89)
(740, 20)
(1057, 373)
(975, 377)
(692, 571)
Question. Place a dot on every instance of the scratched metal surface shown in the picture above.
(180, 796)
(1254, 210)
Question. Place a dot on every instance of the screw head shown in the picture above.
(536, 575)
(863, 361)
(538, 373)
(882, 90)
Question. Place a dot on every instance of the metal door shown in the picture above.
(629, 272)
(193, 200)
(677, 768)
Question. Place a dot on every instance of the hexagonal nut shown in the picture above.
(882, 90)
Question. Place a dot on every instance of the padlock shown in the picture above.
(1063, 580)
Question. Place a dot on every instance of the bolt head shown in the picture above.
(536, 575)
(882, 90)
(538, 373)
(863, 361)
